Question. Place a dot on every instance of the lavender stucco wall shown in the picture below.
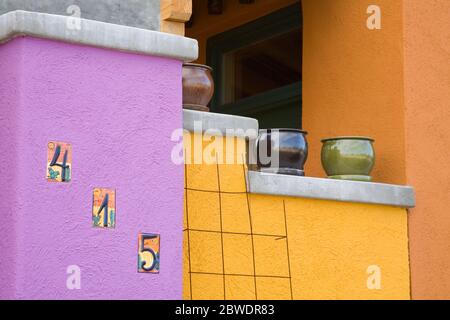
(118, 111)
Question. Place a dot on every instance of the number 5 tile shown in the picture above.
(148, 252)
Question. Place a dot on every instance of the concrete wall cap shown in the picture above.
(98, 34)
(330, 189)
(220, 124)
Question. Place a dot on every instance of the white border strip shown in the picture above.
(98, 34)
(330, 189)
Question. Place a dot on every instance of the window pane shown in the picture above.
(262, 66)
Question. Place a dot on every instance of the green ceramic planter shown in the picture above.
(348, 158)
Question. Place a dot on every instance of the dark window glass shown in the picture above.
(262, 66)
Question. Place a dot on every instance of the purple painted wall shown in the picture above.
(118, 111)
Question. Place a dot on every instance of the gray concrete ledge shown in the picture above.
(98, 34)
(134, 13)
(329, 189)
(220, 124)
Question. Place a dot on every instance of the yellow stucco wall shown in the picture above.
(248, 246)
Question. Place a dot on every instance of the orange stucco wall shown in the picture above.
(352, 77)
(234, 15)
(427, 101)
(353, 81)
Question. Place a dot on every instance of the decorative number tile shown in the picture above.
(59, 161)
(104, 208)
(148, 255)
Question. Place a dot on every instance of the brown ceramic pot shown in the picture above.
(198, 86)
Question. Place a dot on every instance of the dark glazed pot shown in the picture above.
(289, 146)
(348, 158)
(198, 86)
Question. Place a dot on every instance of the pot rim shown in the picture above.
(348, 138)
(285, 130)
(198, 65)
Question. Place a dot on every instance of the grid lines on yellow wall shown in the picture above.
(229, 252)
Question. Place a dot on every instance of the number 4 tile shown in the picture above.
(59, 161)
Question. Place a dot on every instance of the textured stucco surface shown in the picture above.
(135, 13)
(332, 244)
(10, 66)
(118, 111)
(427, 102)
(328, 248)
(353, 81)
